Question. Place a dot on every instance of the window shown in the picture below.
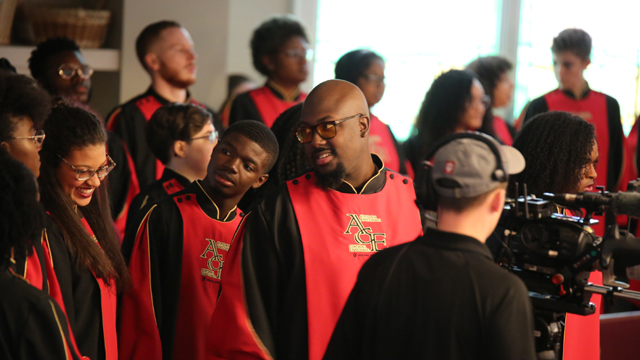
(418, 40)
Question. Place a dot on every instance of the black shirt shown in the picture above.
(32, 324)
(438, 297)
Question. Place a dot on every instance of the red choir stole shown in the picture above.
(381, 143)
(339, 233)
(206, 242)
(270, 106)
(108, 303)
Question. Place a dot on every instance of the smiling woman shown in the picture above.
(89, 266)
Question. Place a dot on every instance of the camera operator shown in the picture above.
(562, 157)
(442, 296)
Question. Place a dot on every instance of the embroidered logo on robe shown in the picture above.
(216, 260)
(366, 239)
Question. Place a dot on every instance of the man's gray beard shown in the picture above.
(332, 179)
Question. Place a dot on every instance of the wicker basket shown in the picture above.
(87, 27)
(7, 11)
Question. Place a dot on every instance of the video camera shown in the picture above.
(555, 253)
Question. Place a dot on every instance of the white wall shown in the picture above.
(206, 20)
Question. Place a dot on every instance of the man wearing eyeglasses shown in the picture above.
(166, 52)
(299, 251)
(182, 136)
(279, 48)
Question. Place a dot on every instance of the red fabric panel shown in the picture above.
(381, 143)
(132, 190)
(204, 251)
(172, 186)
(582, 333)
(138, 334)
(502, 131)
(238, 342)
(33, 271)
(270, 106)
(358, 226)
(108, 301)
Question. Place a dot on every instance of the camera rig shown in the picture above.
(554, 254)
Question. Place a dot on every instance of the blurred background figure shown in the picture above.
(279, 48)
(365, 69)
(236, 84)
(493, 73)
(455, 102)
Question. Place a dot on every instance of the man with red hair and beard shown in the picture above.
(165, 50)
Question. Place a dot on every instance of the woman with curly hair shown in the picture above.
(80, 231)
(455, 102)
(279, 49)
(562, 157)
(493, 73)
(561, 153)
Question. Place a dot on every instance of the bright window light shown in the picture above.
(418, 40)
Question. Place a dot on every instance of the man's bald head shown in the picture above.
(331, 97)
(341, 153)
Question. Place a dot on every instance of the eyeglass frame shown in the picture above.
(314, 128)
(110, 163)
(212, 137)
(37, 139)
(76, 71)
(297, 54)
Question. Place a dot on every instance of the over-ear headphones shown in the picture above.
(425, 190)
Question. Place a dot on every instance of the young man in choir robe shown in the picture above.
(182, 137)
(181, 246)
(296, 256)
(279, 48)
(166, 51)
(442, 296)
(571, 52)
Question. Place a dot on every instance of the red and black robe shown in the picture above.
(295, 259)
(175, 264)
(264, 104)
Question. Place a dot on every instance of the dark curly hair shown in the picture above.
(352, 65)
(20, 97)
(39, 56)
(70, 128)
(442, 110)
(171, 123)
(270, 36)
(489, 70)
(576, 41)
(557, 147)
(21, 215)
(292, 160)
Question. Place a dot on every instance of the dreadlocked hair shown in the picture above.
(557, 147)
(70, 128)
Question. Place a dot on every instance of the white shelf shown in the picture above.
(98, 59)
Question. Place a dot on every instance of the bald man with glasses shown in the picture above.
(296, 256)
